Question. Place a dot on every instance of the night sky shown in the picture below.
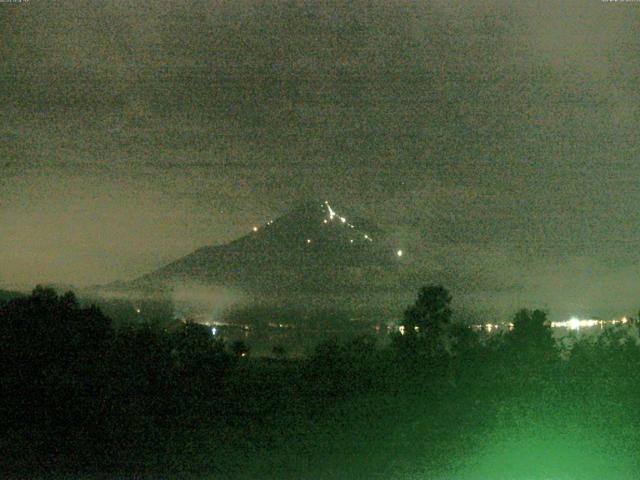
(497, 142)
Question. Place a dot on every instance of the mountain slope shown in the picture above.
(311, 248)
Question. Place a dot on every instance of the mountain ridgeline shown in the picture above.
(312, 248)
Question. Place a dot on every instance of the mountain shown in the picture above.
(312, 248)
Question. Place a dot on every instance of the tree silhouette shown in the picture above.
(199, 356)
(278, 351)
(52, 358)
(426, 321)
(431, 311)
(531, 339)
(44, 330)
(239, 349)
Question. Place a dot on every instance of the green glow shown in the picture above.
(558, 452)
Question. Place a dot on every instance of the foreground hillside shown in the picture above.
(82, 400)
(6, 295)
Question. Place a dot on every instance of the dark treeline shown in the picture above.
(82, 397)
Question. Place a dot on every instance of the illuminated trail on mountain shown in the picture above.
(332, 215)
(331, 212)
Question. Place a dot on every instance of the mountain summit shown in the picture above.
(311, 248)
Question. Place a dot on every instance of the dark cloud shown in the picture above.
(495, 141)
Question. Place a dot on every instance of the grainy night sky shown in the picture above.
(496, 141)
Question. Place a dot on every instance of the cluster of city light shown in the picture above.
(403, 330)
(575, 323)
(281, 325)
(491, 327)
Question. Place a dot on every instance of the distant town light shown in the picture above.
(308, 240)
(399, 253)
(574, 323)
(255, 229)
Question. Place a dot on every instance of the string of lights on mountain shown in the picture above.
(334, 217)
